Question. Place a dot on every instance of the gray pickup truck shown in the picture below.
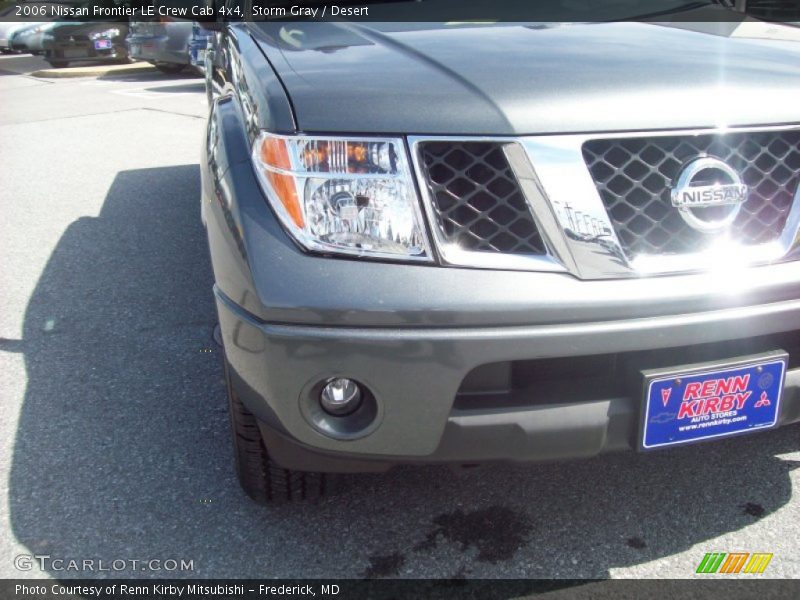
(499, 242)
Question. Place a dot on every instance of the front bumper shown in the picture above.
(417, 375)
(83, 50)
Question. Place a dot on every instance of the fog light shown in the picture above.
(340, 396)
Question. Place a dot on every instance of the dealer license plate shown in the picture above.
(693, 403)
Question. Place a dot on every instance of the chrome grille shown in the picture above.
(634, 177)
(476, 199)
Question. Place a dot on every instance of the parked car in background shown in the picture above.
(31, 38)
(79, 41)
(7, 29)
(26, 19)
(165, 44)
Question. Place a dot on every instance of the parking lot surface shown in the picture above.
(114, 430)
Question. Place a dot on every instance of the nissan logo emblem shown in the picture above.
(704, 183)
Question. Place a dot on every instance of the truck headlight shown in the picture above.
(352, 196)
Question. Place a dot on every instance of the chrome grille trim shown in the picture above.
(573, 221)
(451, 252)
(477, 199)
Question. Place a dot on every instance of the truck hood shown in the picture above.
(515, 79)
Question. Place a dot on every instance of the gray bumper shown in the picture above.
(415, 374)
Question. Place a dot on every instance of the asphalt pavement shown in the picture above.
(114, 431)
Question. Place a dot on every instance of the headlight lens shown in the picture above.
(108, 33)
(350, 196)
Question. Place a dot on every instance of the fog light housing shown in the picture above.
(340, 396)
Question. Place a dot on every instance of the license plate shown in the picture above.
(694, 403)
(102, 44)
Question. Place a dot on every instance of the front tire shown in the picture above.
(263, 480)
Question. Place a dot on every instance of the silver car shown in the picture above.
(29, 38)
(8, 29)
(165, 45)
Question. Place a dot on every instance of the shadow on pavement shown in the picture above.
(122, 449)
(154, 76)
(199, 86)
(21, 64)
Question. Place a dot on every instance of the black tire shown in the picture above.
(170, 68)
(58, 64)
(263, 480)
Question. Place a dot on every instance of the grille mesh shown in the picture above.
(477, 200)
(634, 177)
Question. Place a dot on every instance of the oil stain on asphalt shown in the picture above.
(496, 532)
(637, 542)
(753, 509)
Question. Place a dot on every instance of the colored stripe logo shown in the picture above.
(731, 563)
